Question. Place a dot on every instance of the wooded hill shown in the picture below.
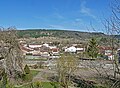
(36, 33)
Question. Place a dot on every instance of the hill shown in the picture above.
(36, 33)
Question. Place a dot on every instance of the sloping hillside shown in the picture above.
(35, 33)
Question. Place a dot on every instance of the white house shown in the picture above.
(46, 45)
(108, 52)
(71, 49)
(111, 57)
(35, 46)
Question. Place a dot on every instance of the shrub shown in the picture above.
(27, 77)
(35, 66)
(27, 69)
(38, 84)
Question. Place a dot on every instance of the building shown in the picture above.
(40, 50)
(71, 49)
(107, 51)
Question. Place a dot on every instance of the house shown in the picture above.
(40, 50)
(34, 46)
(35, 53)
(80, 50)
(46, 45)
(71, 49)
(107, 51)
(54, 51)
(74, 49)
(44, 49)
(44, 54)
(26, 50)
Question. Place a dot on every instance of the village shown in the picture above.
(49, 53)
(49, 59)
(44, 57)
(60, 44)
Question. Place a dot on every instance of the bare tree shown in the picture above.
(10, 51)
(112, 27)
(66, 66)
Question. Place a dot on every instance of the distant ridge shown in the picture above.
(35, 33)
(62, 30)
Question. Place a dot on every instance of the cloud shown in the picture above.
(85, 10)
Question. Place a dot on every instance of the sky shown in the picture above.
(80, 15)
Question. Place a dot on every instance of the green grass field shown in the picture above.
(34, 72)
(40, 85)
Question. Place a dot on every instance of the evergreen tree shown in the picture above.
(92, 49)
(27, 69)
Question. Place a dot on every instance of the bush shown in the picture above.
(35, 66)
(38, 84)
(23, 76)
(27, 77)
(27, 69)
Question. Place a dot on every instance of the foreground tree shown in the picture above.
(10, 52)
(112, 27)
(66, 66)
